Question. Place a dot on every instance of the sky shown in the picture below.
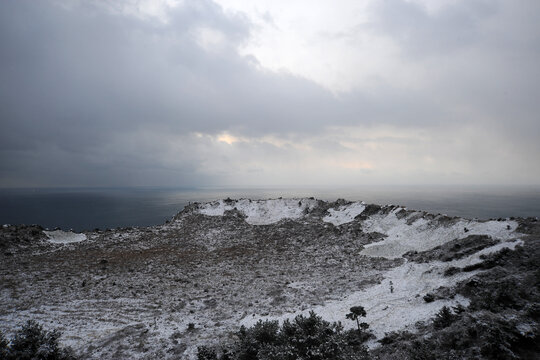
(269, 93)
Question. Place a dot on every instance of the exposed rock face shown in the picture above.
(161, 291)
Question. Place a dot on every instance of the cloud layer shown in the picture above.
(204, 93)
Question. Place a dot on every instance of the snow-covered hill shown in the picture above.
(164, 290)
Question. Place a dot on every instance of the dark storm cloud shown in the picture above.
(90, 95)
(83, 70)
(75, 77)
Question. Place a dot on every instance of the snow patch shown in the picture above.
(64, 237)
(475, 258)
(504, 245)
(526, 329)
(261, 212)
(397, 302)
(344, 214)
(424, 234)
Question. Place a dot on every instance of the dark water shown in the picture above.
(85, 209)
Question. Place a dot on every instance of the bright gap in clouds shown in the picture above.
(334, 43)
(327, 42)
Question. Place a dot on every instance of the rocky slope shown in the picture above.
(161, 291)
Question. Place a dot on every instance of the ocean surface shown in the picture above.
(87, 209)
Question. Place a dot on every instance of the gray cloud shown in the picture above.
(81, 69)
(95, 97)
(422, 33)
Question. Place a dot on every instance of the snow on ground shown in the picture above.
(397, 302)
(98, 323)
(476, 257)
(159, 280)
(344, 214)
(424, 234)
(261, 212)
(64, 237)
(390, 310)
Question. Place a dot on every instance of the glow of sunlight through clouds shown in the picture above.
(265, 93)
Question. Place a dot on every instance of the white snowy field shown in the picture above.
(162, 291)
(421, 235)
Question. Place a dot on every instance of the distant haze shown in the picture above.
(269, 93)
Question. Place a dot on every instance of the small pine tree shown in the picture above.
(355, 313)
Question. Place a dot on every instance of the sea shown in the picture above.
(82, 209)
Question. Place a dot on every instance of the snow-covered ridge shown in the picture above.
(404, 230)
(261, 212)
(344, 214)
(265, 212)
(423, 234)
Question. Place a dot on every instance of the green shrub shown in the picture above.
(306, 337)
(444, 318)
(3, 347)
(421, 350)
(206, 353)
(254, 339)
(32, 342)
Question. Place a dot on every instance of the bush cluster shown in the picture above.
(479, 336)
(445, 317)
(306, 337)
(32, 342)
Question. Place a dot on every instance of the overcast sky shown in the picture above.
(268, 93)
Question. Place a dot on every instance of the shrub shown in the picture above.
(395, 336)
(3, 347)
(421, 350)
(444, 318)
(252, 340)
(306, 337)
(33, 342)
(206, 353)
